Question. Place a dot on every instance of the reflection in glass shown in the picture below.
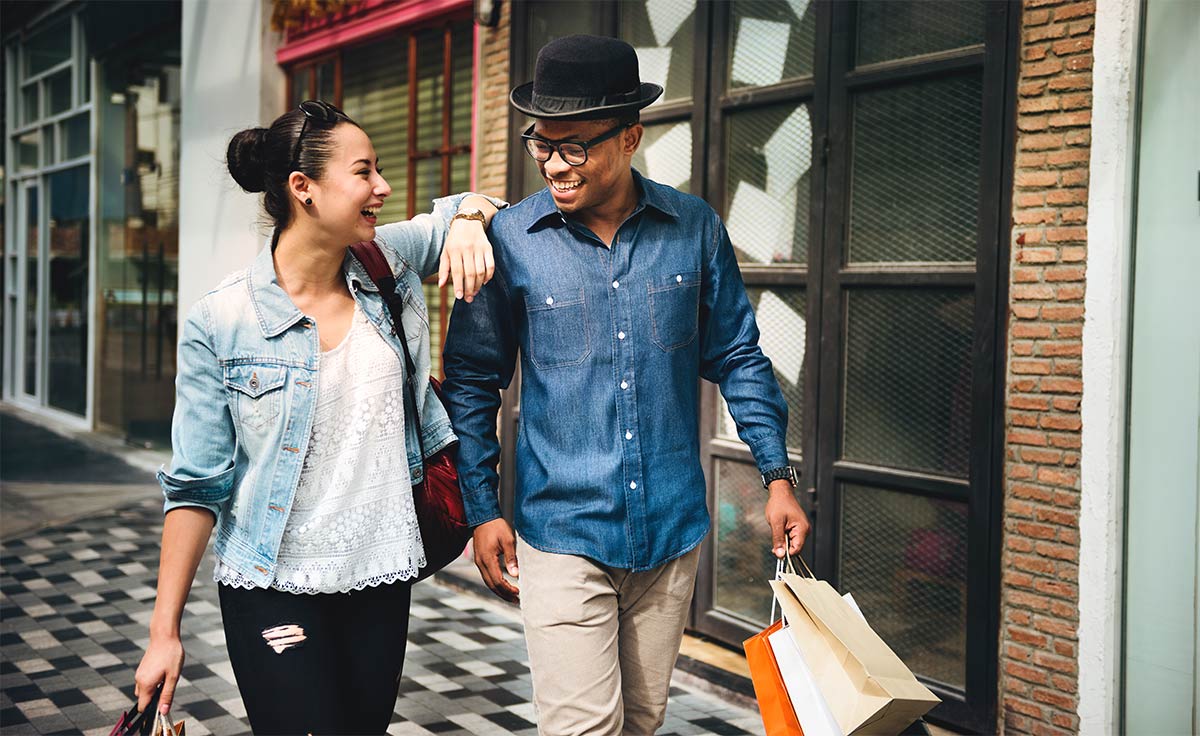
(75, 136)
(48, 48)
(772, 42)
(29, 150)
(59, 92)
(68, 334)
(30, 103)
(139, 249)
(780, 314)
(908, 379)
(325, 81)
(375, 94)
(663, 33)
(32, 292)
(301, 85)
(767, 184)
(915, 172)
(904, 560)
(894, 29)
(665, 155)
(743, 562)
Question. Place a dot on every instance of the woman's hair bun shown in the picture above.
(247, 160)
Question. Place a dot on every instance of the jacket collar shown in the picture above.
(274, 309)
(650, 194)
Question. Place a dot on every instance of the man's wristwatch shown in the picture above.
(787, 472)
(470, 213)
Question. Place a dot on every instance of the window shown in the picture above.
(411, 92)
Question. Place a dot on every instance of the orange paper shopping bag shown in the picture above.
(779, 718)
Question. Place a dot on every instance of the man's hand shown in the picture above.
(491, 541)
(789, 523)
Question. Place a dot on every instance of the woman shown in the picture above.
(292, 437)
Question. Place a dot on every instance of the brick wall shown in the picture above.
(1040, 605)
(492, 140)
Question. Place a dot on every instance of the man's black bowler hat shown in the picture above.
(584, 78)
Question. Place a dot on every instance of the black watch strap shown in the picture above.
(785, 472)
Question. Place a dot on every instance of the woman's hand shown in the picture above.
(467, 255)
(161, 664)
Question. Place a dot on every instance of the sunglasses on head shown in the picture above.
(320, 111)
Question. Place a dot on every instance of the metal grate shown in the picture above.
(663, 33)
(903, 558)
(782, 327)
(908, 379)
(915, 172)
(665, 155)
(743, 561)
(771, 42)
(896, 29)
(767, 184)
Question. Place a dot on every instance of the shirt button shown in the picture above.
(624, 384)
(678, 278)
(620, 335)
(616, 284)
(629, 435)
(549, 300)
(633, 486)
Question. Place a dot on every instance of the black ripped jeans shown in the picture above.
(319, 664)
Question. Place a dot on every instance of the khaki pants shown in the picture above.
(602, 641)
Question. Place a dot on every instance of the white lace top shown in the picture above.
(352, 522)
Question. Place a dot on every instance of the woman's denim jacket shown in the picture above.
(247, 383)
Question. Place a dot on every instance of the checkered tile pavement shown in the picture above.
(75, 601)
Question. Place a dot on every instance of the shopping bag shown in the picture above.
(868, 688)
(164, 727)
(812, 712)
(774, 705)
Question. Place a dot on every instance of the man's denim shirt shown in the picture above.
(612, 341)
(247, 383)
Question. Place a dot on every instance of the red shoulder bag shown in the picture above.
(438, 498)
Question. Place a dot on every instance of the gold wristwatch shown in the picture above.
(470, 213)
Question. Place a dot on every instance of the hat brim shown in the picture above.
(521, 98)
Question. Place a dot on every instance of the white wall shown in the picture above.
(230, 82)
(1105, 357)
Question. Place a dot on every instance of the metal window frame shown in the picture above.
(84, 71)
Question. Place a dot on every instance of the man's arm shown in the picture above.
(731, 358)
(479, 360)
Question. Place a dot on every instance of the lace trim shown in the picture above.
(352, 524)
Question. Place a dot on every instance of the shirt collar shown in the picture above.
(650, 194)
(273, 307)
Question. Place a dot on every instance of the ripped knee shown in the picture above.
(284, 637)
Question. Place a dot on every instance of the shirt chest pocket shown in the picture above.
(558, 334)
(257, 393)
(674, 309)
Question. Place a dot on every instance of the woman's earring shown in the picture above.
(308, 201)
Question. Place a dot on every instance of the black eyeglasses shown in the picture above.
(313, 110)
(573, 152)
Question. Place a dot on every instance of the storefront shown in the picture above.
(857, 153)
(92, 118)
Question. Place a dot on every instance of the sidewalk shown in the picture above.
(76, 598)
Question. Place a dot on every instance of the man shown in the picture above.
(618, 293)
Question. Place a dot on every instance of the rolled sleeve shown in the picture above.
(419, 241)
(731, 357)
(201, 471)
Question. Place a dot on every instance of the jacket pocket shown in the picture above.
(674, 309)
(257, 393)
(558, 334)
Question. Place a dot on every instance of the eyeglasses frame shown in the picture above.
(557, 145)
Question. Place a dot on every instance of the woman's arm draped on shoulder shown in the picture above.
(419, 241)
